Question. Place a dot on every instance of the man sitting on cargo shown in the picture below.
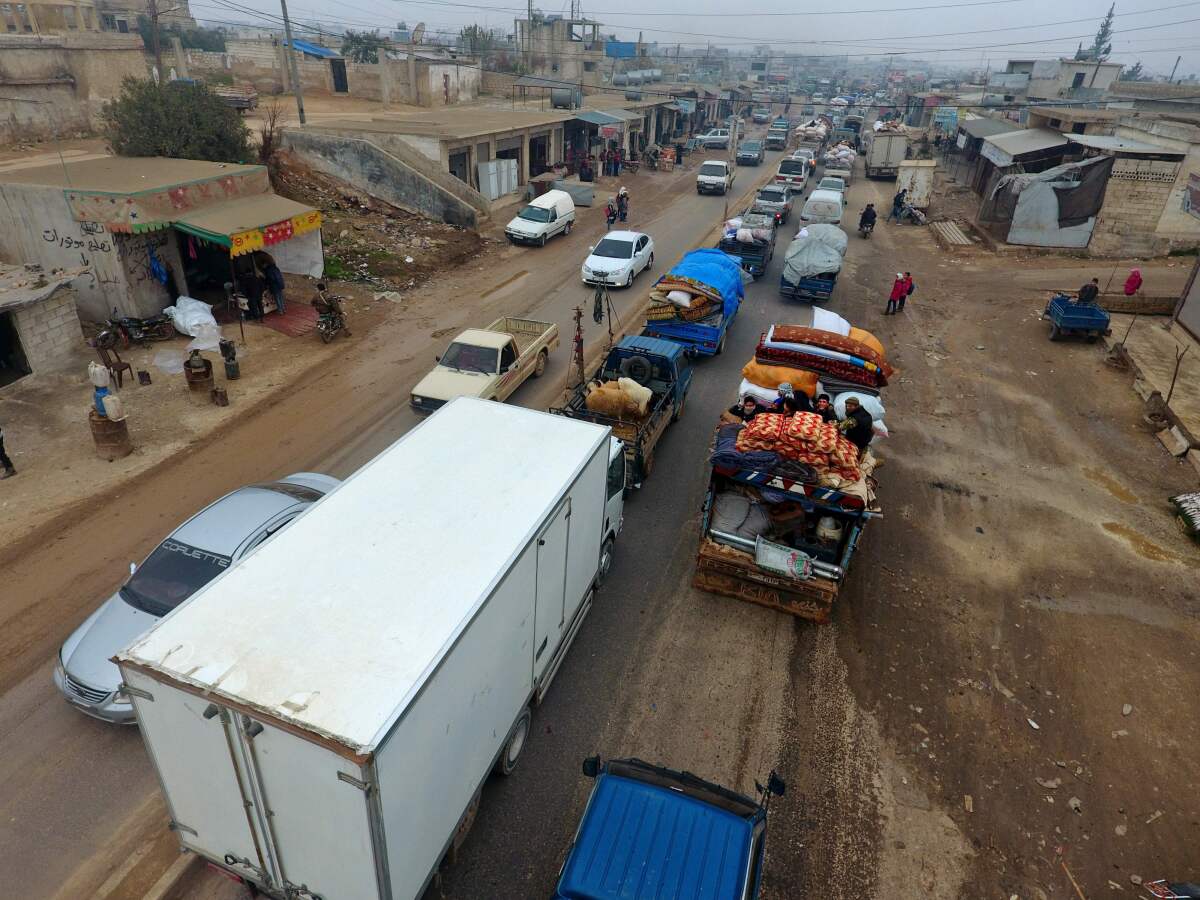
(743, 411)
(857, 425)
(825, 409)
(789, 402)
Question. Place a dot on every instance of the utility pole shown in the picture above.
(529, 41)
(291, 61)
(155, 42)
(1171, 80)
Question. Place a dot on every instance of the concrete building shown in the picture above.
(1073, 119)
(1179, 224)
(148, 230)
(122, 15)
(430, 79)
(39, 328)
(1071, 79)
(51, 17)
(54, 85)
(565, 49)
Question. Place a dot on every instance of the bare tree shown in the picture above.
(269, 130)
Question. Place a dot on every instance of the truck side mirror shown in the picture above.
(591, 766)
(437, 359)
(776, 785)
(132, 568)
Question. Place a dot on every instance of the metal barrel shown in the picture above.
(110, 436)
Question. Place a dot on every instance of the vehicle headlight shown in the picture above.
(587, 271)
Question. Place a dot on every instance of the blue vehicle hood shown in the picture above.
(643, 842)
(716, 269)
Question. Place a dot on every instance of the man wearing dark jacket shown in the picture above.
(857, 425)
(1090, 291)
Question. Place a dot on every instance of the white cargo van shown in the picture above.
(550, 214)
(323, 716)
(822, 207)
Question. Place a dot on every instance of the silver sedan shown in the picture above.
(213, 540)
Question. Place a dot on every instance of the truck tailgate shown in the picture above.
(526, 332)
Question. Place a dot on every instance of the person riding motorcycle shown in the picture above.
(867, 219)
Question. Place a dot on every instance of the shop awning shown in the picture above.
(250, 223)
(624, 115)
(314, 50)
(595, 117)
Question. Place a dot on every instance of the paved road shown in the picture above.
(69, 785)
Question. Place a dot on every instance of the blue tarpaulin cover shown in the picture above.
(718, 270)
(620, 49)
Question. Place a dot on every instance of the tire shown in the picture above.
(638, 368)
(721, 346)
(629, 280)
(1055, 333)
(679, 412)
(567, 230)
(542, 242)
(649, 263)
(606, 558)
(514, 744)
(539, 367)
(326, 335)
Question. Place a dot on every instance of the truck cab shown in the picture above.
(638, 818)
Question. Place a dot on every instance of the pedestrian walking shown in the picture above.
(610, 215)
(7, 470)
(898, 204)
(623, 204)
(618, 162)
(899, 292)
(1133, 284)
(909, 287)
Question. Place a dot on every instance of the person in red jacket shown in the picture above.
(898, 294)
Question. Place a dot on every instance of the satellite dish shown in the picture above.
(418, 33)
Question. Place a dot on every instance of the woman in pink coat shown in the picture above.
(1133, 283)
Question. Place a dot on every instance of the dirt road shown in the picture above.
(57, 827)
(1025, 584)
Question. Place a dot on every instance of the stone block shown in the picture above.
(1174, 442)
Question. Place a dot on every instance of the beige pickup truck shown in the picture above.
(489, 363)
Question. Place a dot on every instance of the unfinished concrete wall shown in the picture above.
(55, 85)
(1176, 224)
(1133, 204)
(39, 228)
(448, 84)
(387, 176)
(49, 330)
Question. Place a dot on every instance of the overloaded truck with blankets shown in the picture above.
(695, 303)
(791, 491)
(639, 389)
(750, 238)
(812, 263)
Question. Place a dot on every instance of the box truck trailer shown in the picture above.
(322, 717)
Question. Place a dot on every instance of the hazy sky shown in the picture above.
(960, 34)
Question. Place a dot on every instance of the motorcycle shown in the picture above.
(330, 317)
(133, 330)
(865, 229)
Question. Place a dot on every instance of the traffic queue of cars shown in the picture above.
(191, 592)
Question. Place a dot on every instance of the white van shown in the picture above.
(550, 214)
(824, 207)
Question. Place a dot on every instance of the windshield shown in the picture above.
(614, 249)
(832, 184)
(792, 167)
(534, 214)
(803, 154)
(470, 358)
(751, 146)
(170, 575)
(712, 169)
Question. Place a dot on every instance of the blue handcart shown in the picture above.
(1069, 316)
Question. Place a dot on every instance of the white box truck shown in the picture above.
(323, 716)
(883, 151)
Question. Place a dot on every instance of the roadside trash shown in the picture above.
(1034, 725)
(1156, 815)
(1049, 784)
(1075, 804)
(169, 361)
(1126, 709)
(143, 377)
(409, 260)
(194, 318)
(1120, 830)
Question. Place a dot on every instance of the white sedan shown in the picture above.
(618, 259)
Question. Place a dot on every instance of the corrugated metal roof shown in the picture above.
(1116, 144)
(981, 128)
(624, 115)
(595, 117)
(1028, 140)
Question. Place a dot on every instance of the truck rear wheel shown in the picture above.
(540, 366)
(515, 744)
(606, 558)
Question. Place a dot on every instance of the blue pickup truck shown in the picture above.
(812, 263)
(661, 366)
(717, 271)
(650, 832)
